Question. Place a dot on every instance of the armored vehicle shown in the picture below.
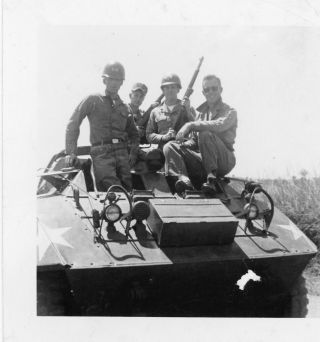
(154, 253)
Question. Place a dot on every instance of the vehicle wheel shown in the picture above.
(54, 297)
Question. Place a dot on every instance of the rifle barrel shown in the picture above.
(193, 79)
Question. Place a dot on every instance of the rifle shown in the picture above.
(183, 118)
(189, 90)
(145, 118)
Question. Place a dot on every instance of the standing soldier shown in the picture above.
(111, 125)
(137, 95)
(210, 152)
(166, 120)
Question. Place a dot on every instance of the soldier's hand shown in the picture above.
(71, 160)
(170, 135)
(133, 156)
(183, 132)
(187, 143)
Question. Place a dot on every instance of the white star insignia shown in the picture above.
(47, 235)
(296, 232)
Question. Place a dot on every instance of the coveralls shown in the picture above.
(162, 119)
(111, 125)
(211, 147)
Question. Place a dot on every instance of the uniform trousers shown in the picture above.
(111, 165)
(213, 156)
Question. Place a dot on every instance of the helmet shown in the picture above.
(171, 79)
(114, 70)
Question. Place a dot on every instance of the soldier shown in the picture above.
(137, 95)
(209, 153)
(111, 125)
(169, 117)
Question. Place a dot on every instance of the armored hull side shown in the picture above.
(126, 273)
(184, 289)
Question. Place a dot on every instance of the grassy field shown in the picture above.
(299, 199)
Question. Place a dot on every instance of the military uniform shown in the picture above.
(138, 113)
(137, 117)
(211, 147)
(111, 125)
(162, 119)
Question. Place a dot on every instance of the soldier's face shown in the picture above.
(170, 91)
(212, 90)
(136, 98)
(112, 85)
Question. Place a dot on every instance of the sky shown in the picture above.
(269, 75)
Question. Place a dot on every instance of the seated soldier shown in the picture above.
(137, 95)
(166, 119)
(111, 125)
(209, 153)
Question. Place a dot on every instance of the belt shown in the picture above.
(108, 142)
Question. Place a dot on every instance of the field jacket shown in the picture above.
(222, 121)
(108, 119)
(162, 119)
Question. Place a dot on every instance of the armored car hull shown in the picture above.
(196, 255)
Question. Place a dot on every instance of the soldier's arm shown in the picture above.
(192, 141)
(73, 126)
(151, 133)
(218, 125)
(192, 137)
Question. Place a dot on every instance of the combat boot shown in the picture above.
(209, 187)
(183, 184)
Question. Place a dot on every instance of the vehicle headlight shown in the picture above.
(112, 213)
(141, 210)
(252, 211)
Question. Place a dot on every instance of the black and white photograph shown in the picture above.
(160, 170)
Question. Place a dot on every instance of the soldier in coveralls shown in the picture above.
(209, 152)
(111, 125)
(166, 120)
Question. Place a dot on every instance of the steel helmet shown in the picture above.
(114, 70)
(171, 79)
